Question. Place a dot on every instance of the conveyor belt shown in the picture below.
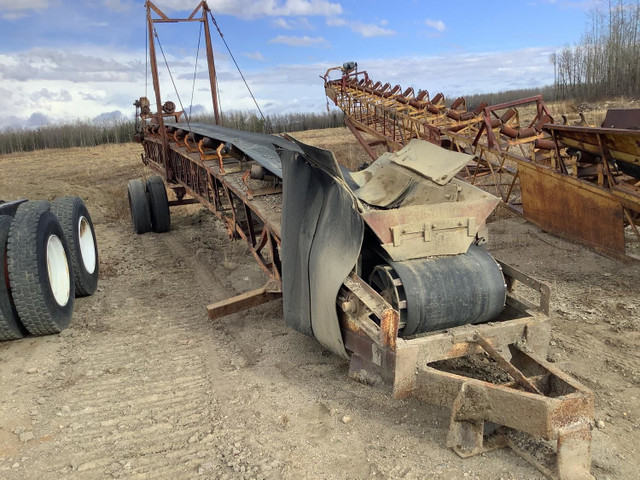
(260, 147)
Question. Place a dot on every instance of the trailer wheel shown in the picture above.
(139, 206)
(10, 326)
(40, 273)
(78, 229)
(159, 204)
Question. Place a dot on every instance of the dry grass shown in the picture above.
(341, 142)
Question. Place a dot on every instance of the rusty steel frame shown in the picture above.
(554, 406)
(525, 165)
(559, 410)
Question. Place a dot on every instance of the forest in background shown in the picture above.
(605, 62)
(89, 134)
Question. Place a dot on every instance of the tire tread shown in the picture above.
(10, 326)
(159, 204)
(139, 206)
(24, 275)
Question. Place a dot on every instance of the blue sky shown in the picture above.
(72, 59)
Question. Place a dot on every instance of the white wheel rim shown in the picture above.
(58, 268)
(87, 245)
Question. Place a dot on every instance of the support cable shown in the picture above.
(267, 126)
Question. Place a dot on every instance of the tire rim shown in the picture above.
(58, 268)
(87, 245)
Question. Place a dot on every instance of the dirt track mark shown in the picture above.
(162, 421)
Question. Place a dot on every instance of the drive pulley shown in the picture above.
(442, 292)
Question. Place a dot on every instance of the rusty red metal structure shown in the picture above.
(266, 188)
(578, 182)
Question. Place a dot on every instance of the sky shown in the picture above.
(67, 60)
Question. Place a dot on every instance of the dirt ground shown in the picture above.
(143, 385)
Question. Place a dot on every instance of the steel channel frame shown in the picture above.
(225, 200)
(561, 411)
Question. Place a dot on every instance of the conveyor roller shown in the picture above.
(442, 292)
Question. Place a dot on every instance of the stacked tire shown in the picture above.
(48, 256)
(149, 205)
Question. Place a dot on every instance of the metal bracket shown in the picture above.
(409, 231)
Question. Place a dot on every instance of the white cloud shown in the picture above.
(63, 64)
(14, 9)
(336, 22)
(282, 23)
(305, 41)
(437, 25)
(264, 8)
(94, 96)
(293, 23)
(492, 71)
(365, 29)
(98, 91)
(108, 117)
(255, 56)
(370, 29)
(47, 95)
(38, 119)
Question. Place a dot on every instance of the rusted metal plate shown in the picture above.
(431, 161)
(572, 208)
(446, 228)
(622, 118)
(386, 186)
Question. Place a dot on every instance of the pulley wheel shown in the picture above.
(385, 281)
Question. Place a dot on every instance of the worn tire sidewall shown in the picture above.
(49, 225)
(85, 280)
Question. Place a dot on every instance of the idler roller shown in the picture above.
(169, 107)
(258, 172)
(442, 292)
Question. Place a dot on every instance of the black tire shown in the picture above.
(10, 326)
(78, 229)
(159, 204)
(139, 206)
(40, 273)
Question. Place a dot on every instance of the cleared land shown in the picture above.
(143, 385)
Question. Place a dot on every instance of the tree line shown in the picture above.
(605, 61)
(89, 134)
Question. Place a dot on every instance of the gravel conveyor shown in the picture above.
(385, 267)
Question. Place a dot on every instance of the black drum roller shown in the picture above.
(442, 292)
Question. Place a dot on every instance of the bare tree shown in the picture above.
(605, 62)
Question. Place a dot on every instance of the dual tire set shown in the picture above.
(48, 256)
(149, 205)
